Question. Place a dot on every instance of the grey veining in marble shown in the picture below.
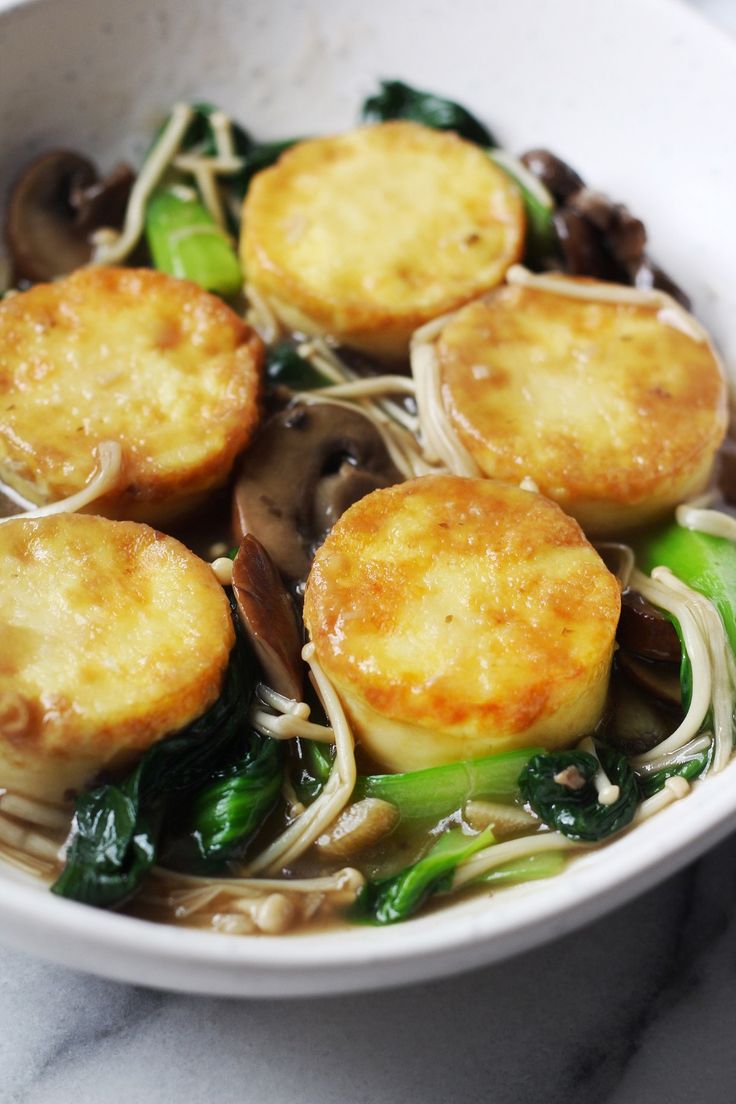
(639, 1008)
(636, 1009)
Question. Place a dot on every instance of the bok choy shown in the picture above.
(228, 777)
(572, 807)
(397, 898)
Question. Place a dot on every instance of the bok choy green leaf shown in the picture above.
(438, 791)
(118, 827)
(224, 813)
(397, 898)
(397, 100)
(575, 810)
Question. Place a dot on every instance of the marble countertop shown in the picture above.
(632, 1010)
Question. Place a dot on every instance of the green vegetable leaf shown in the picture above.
(397, 100)
(541, 243)
(284, 365)
(224, 814)
(530, 868)
(315, 762)
(117, 826)
(185, 241)
(704, 562)
(397, 898)
(577, 813)
(438, 791)
(112, 848)
(692, 767)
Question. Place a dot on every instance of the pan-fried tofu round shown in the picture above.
(134, 356)
(615, 409)
(112, 635)
(459, 617)
(369, 234)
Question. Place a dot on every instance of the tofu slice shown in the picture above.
(459, 617)
(112, 635)
(369, 234)
(614, 408)
(134, 356)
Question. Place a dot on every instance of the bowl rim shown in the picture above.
(425, 947)
(421, 948)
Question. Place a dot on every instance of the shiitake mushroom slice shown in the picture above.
(54, 206)
(307, 465)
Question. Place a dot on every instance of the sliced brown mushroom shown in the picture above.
(661, 680)
(558, 177)
(582, 246)
(104, 202)
(54, 206)
(726, 479)
(596, 236)
(505, 820)
(642, 629)
(636, 720)
(358, 827)
(623, 234)
(268, 616)
(307, 465)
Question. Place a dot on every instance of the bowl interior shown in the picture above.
(636, 94)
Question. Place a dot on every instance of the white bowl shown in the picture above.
(637, 94)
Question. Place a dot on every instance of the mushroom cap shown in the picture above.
(307, 465)
(56, 203)
(268, 616)
(40, 230)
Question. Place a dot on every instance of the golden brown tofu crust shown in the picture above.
(112, 635)
(369, 234)
(127, 355)
(469, 614)
(612, 409)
